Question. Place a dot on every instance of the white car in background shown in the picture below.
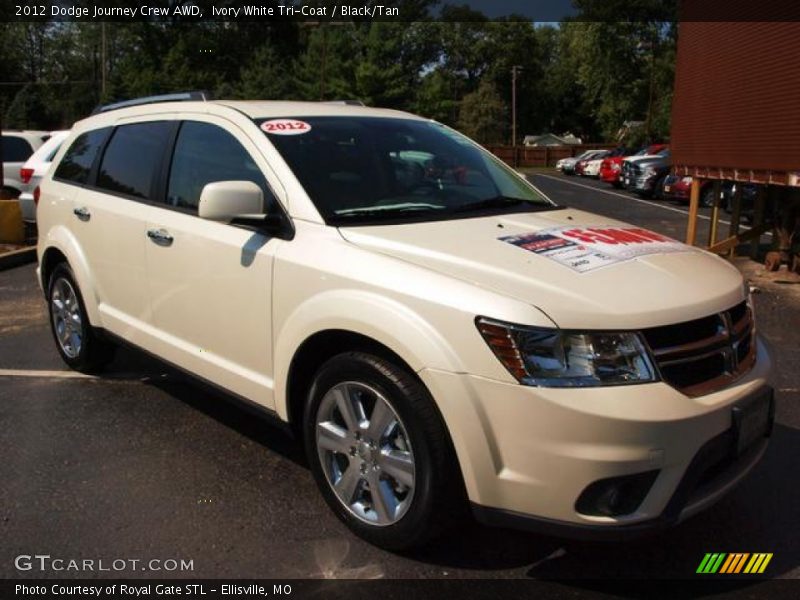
(592, 168)
(18, 146)
(34, 169)
(567, 165)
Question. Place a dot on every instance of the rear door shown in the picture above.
(110, 220)
(210, 282)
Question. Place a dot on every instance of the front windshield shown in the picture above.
(374, 170)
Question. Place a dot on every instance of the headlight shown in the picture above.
(557, 358)
(616, 167)
(686, 180)
(649, 171)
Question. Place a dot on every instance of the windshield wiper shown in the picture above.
(489, 203)
(405, 207)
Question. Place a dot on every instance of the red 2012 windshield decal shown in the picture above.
(613, 235)
(285, 127)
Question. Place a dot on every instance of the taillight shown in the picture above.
(25, 174)
(36, 193)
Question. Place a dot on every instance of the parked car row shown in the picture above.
(679, 188)
(646, 173)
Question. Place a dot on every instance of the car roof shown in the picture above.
(254, 109)
(262, 109)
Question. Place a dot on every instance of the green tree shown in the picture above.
(483, 114)
(267, 76)
(326, 69)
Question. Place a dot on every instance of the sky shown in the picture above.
(536, 10)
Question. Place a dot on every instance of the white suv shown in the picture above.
(438, 332)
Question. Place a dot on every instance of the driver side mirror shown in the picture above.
(228, 200)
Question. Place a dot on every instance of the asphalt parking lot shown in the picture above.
(145, 463)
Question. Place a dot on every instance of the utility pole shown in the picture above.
(648, 121)
(103, 62)
(515, 70)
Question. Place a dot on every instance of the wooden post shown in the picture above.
(2, 173)
(716, 189)
(736, 217)
(758, 219)
(694, 205)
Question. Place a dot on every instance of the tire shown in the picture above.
(707, 197)
(411, 460)
(78, 343)
(658, 188)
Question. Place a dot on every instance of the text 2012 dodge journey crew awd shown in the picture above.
(438, 332)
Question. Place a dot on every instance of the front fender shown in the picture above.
(382, 319)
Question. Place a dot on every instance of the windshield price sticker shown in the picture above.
(587, 248)
(285, 127)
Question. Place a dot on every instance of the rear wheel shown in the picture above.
(380, 452)
(77, 341)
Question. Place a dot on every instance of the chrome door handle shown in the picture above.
(82, 213)
(160, 236)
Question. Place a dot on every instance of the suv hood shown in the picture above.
(582, 270)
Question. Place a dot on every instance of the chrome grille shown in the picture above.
(701, 356)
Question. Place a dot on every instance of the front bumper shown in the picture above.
(643, 183)
(527, 454)
(676, 193)
(609, 175)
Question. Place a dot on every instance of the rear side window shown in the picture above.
(132, 158)
(77, 163)
(16, 149)
(205, 153)
(52, 153)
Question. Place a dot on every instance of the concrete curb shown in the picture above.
(15, 258)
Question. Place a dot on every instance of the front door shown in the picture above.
(209, 282)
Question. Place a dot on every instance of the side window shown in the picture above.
(16, 149)
(205, 153)
(78, 160)
(132, 158)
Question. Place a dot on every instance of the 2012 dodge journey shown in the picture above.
(438, 332)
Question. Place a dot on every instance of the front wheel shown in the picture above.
(380, 452)
(77, 341)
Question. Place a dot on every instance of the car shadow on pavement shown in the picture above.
(760, 515)
(232, 412)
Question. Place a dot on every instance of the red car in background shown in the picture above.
(677, 187)
(611, 168)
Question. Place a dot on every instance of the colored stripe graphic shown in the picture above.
(711, 562)
(758, 563)
(733, 563)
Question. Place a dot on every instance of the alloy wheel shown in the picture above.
(65, 311)
(365, 453)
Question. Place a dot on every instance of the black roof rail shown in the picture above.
(345, 102)
(196, 96)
